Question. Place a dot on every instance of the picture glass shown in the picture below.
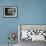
(10, 11)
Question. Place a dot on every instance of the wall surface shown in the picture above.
(7, 25)
(29, 12)
(32, 11)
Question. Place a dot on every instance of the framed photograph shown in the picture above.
(10, 11)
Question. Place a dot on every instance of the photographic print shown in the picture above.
(10, 11)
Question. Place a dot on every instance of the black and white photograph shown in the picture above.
(10, 11)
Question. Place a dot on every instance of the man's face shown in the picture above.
(11, 11)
